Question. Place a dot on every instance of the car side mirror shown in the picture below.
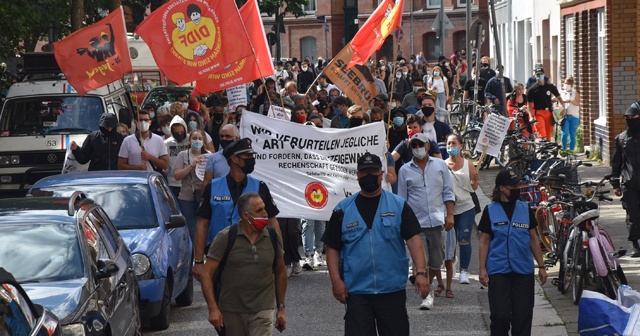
(176, 221)
(106, 268)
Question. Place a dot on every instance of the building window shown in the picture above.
(308, 48)
(602, 65)
(431, 45)
(460, 40)
(433, 3)
(569, 46)
(463, 3)
(310, 7)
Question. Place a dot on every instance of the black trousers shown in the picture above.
(385, 312)
(631, 202)
(291, 231)
(511, 300)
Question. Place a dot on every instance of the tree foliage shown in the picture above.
(271, 7)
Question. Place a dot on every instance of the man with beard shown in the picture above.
(100, 147)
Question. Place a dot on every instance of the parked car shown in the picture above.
(69, 258)
(161, 95)
(147, 215)
(20, 316)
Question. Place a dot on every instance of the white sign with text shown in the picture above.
(492, 135)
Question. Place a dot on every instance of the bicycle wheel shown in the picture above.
(579, 271)
(470, 139)
(566, 270)
(519, 167)
(545, 228)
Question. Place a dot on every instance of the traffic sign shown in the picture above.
(271, 38)
(477, 26)
(446, 21)
(399, 33)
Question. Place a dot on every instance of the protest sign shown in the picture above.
(279, 112)
(237, 96)
(309, 169)
(492, 135)
(200, 167)
(71, 165)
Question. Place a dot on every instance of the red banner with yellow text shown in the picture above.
(385, 19)
(247, 69)
(190, 39)
(96, 55)
(357, 82)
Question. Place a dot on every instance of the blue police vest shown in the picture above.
(509, 250)
(374, 261)
(224, 211)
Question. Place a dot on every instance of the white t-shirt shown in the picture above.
(131, 150)
(438, 84)
(567, 97)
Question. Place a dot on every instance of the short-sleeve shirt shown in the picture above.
(132, 151)
(248, 280)
(470, 87)
(541, 95)
(217, 164)
(367, 207)
(485, 221)
(204, 210)
(191, 182)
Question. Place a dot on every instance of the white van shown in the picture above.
(42, 115)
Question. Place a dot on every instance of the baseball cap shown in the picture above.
(242, 146)
(419, 137)
(633, 110)
(507, 178)
(369, 160)
(382, 97)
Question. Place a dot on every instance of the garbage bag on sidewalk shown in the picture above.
(600, 315)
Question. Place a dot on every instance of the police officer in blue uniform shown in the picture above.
(366, 255)
(508, 245)
(219, 209)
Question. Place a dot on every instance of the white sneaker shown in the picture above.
(319, 260)
(297, 268)
(464, 277)
(427, 303)
(308, 263)
(288, 267)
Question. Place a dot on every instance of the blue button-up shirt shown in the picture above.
(426, 191)
(217, 165)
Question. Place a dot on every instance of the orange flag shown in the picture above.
(385, 19)
(194, 38)
(246, 69)
(96, 55)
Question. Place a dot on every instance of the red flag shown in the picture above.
(194, 38)
(247, 69)
(96, 55)
(385, 19)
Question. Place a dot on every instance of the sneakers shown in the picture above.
(289, 269)
(464, 277)
(308, 263)
(319, 260)
(427, 303)
(297, 268)
(635, 253)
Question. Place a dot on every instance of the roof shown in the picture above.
(97, 177)
(41, 209)
(57, 87)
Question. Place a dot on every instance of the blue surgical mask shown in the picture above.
(337, 111)
(197, 144)
(152, 115)
(399, 76)
(453, 151)
(540, 78)
(436, 73)
(398, 121)
(192, 125)
(226, 109)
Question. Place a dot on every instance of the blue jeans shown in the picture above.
(188, 209)
(312, 231)
(463, 223)
(569, 131)
(442, 100)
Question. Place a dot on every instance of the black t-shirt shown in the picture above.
(367, 208)
(487, 73)
(470, 85)
(235, 188)
(485, 221)
(541, 95)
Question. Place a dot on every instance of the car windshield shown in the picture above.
(41, 252)
(50, 115)
(130, 206)
(166, 95)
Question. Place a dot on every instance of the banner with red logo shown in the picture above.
(318, 165)
(96, 55)
(190, 39)
(247, 69)
(385, 19)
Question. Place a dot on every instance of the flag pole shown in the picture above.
(315, 81)
(395, 54)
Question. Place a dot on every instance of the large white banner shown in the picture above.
(309, 169)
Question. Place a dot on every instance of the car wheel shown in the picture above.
(186, 297)
(161, 322)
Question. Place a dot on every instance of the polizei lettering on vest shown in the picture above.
(520, 225)
(222, 198)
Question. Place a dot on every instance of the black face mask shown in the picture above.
(249, 164)
(428, 110)
(218, 116)
(107, 133)
(485, 65)
(178, 137)
(225, 143)
(514, 195)
(355, 122)
(369, 183)
(633, 125)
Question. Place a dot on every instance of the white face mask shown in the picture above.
(393, 104)
(166, 130)
(144, 126)
(304, 68)
(419, 152)
(568, 87)
(185, 105)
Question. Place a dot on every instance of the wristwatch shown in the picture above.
(280, 305)
(198, 262)
(424, 274)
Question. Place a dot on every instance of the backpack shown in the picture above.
(233, 233)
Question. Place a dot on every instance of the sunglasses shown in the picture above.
(417, 144)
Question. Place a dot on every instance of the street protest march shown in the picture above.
(317, 164)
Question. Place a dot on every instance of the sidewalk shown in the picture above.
(554, 312)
